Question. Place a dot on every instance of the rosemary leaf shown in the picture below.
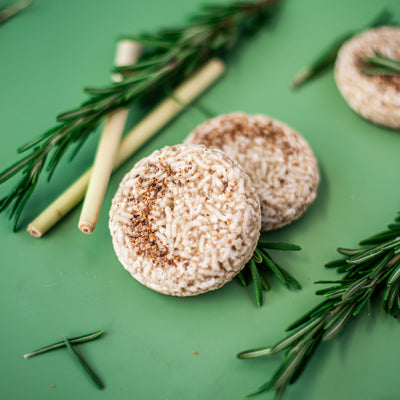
(354, 288)
(254, 353)
(334, 329)
(18, 166)
(76, 340)
(379, 238)
(310, 315)
(264, 282)
(327, 291)
(261, 389)
(84, 364)
(309, 353)
(394, 291)
(269, 263)
(394, 227)
(376, 270)
(374, 252)
(257, 283)
(278, 246)
(395, 275)
(147, 41)
(283, 376)
(293, 337)
(257, 256)
(242, 279)
(336, 263)
(290, 279)
(349, 252)
(261, 264)
(362, 303)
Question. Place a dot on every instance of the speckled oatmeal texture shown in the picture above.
(376, 98)
(278, 160)
(185, 220)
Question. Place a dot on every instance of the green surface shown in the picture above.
(69, 284)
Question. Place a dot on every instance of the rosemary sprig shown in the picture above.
(368, 270)
(97, 381)
(57, 345)
(8, 12)
(261, 264)
(169, 56)
(328, 57)
(380, 65)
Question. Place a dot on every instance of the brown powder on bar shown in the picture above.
(142, 235)
(232, 125)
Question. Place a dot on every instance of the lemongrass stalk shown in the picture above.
(128, 53)
(168, 109)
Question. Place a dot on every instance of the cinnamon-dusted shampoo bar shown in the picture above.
(185, 220)
(277, 158)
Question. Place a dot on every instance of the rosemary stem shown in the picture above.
(128, 53)
(151, 124)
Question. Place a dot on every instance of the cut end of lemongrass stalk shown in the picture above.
(86, 227)
(28, 355)
(34, 231)
(128, 52)
(300, 78)
(60, 207)
(254, 353)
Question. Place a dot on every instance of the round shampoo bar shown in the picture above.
(376, 98)
(278, 160)
(185, 220)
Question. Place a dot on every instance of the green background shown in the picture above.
(68, 283)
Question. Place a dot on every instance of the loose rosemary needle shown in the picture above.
(261, 264)
(170, 56)
(328, 56)
(57, 345)
(97, 381)
(371, 269)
